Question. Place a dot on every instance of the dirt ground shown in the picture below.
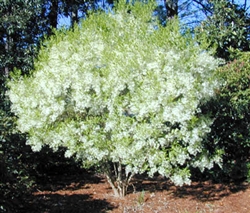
(89, 193)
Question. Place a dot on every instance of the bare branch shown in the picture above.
(205, 7)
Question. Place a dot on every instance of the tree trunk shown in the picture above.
(172, 8)
(74, 14)
(53, 15)
(118, 179)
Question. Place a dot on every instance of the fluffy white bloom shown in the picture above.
(179, 180)
(117, 90)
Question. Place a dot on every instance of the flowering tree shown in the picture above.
(122, 93)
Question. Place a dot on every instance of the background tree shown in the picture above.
(226, 27)
(231, 109)
(172, 8)
(125, 117)
(23, 25)
(193, 12)
(75, 10)
(21, 28)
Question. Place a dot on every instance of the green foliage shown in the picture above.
(227, 27)
(123, 93)
(141, 198)
(14, 177)
(21, 27)
(248, 171)
(231, 109)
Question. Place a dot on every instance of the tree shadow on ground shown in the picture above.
(208, 191)
(89, 192)
(65, 193)
(56, 203)
(200, 190)
(67, 181)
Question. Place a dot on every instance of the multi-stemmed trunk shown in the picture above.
(118, 178)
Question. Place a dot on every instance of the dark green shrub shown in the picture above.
(231, 110)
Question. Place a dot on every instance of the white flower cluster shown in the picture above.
(113, 90)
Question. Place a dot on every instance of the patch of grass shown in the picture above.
(141, 198)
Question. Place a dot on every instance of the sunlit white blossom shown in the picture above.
(117, 90)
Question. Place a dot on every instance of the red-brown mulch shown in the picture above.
(89, 193)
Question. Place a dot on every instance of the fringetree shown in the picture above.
(123, 93)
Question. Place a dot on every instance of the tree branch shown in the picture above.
(204, 6)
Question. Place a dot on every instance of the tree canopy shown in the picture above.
(226, 27)
(121, 90)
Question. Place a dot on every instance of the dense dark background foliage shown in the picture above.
(230, 109)
(227, 26)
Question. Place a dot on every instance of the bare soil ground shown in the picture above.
(89, 193)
